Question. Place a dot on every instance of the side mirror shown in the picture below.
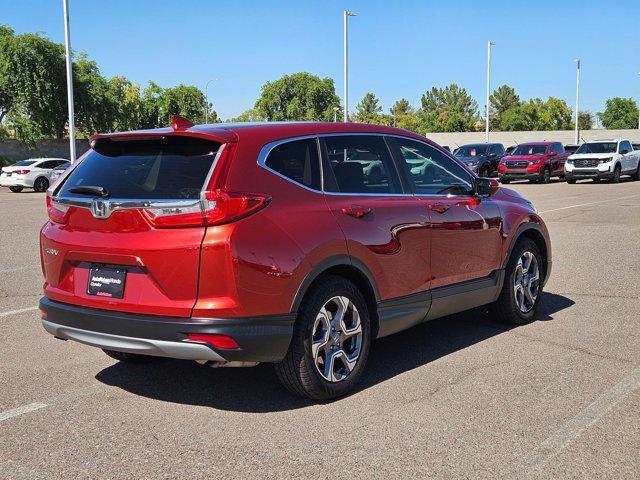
(553, 154)
(485, 187)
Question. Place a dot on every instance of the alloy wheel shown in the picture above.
(41, 184)
(336, 339)
(526, 282)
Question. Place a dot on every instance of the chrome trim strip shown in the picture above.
(267, 148)
(141, 346)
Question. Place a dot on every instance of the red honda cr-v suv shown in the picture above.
(294, 243)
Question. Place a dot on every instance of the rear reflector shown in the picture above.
(218, 341)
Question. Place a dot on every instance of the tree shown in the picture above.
(554, 114)
(449, 109)
(502, 99)
(6, 92)
(251, 115)
(368, 109)
(152, 106)
(96, 108)
(128, 102)
(619, 113)
(401, 107)
(36, 84)
(300, 96)
(184, 100)
(585, 120)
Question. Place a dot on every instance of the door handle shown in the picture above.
(438, 207)
(356, 211)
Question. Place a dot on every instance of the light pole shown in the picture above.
(206, 99)
(489, 45)
(347, 14)
(577, 135)
(67, 49)
(335, 114)
(638, 112)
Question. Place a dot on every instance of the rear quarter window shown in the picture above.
(164, 168)
(298, 161)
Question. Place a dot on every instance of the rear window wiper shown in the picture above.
(90, 190)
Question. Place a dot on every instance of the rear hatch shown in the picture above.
(127, 223)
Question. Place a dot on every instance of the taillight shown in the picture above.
(57, 212)
(21, 172)
(217, 207)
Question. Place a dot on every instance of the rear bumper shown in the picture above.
(13, 181)
(260, 339)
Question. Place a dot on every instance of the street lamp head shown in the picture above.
(577, 61)
(350, 14)
(491, 43)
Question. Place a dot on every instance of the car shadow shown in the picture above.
(257, 390)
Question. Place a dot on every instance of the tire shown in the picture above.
(505, 181)
(484, 172)
(636, 174)
(299, 371)
(596, 180)
(571, 181)
(507, 308)
(41, 184)
(546, 176)
(131, 357)
(616, 174)
(15, 189)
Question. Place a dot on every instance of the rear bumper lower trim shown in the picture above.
(260, 339)
(142, 346)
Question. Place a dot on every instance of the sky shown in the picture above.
(396, 48)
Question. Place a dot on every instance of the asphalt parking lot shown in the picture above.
(460, 397)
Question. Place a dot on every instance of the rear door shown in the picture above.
(134, 266)
(385, 226)
(465, 240)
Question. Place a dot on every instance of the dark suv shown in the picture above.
(481, 158)
(236, 244)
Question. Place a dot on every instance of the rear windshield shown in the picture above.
(599, 147)
(24, 163)
(163, 168)
(530, 150)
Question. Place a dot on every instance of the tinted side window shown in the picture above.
(559, 148)
(361, 164)
(48, 164)
(298, 161)
(432, 172)
(500, 149)
(625, 146)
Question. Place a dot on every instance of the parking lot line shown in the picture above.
(572, 429)
(20, 310)
(15, 412)
(587, 204)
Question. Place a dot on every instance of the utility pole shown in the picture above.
(489, 45)
(347, 14)
(67, 48)
(577, 135)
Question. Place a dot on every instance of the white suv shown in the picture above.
(603, 159)
(32, 173)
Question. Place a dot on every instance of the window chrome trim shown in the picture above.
(267, 148)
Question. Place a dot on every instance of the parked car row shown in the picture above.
(540, 161)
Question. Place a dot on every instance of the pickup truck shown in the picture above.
(535, 161)
(603, 159)
(481, 158)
